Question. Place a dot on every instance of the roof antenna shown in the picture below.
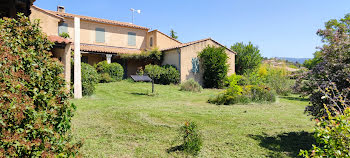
(134, 10)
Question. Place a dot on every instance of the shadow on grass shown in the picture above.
(175, 149)
(295, 98)
(139, 94)
(289, 143)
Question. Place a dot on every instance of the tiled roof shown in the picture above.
(112, 22)
(195, 42)
(58, 39)
(167, 36)
(107, 49)
(47, 12)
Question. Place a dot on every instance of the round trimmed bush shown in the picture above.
(89, 79)
(115, 70)
(35, 114)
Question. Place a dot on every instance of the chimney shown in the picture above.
(61, 9)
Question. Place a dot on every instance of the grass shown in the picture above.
(123, 120)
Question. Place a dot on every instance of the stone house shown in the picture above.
(94, 40)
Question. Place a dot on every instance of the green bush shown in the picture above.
(35, 113)
(169, 75)
(89, 79)
(214, 61)
(332, 135)
(260, 94)
(115, 70)
(163, 74)
(246, 94)
(64, 35)
(191, 139)
(191, 85)
(105, 78)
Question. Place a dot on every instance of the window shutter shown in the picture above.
(62, 27)
(131, 39)
(100, 35)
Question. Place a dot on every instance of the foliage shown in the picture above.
(276, 78)
(332, 135)
(169, 75)
(248, 57)
(332, 131)
(35, 115)
(165, 75)
(191, 85)
(105, 78)
(192, 139)
(115, 70)
(140, 71)
(89, 79)
(214, 61)
(244, 94)
(64, 35)
(334, 70)
(311, 63)
(153, 56)
(173, 34)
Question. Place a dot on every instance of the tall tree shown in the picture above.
(333, 70)
(214, 62)
(248, 57)
(173, 34)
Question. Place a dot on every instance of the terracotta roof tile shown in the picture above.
(112, 22)
(195, 42)
(58, 39)
(107, 49)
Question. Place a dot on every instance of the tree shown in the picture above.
(311, 63)
(332, 71)
(154, 72)
(214, 61)
(173, 34)
(248, 57)
(35, 113)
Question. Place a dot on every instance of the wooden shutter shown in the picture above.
(100, 35)
(62, 27)
(131, 39)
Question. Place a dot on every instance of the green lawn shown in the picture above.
(120, 120)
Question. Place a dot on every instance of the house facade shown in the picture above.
(106, 40)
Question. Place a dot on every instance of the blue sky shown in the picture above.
(281, 28)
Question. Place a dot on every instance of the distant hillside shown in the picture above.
(299, 60)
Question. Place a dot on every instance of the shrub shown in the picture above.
(64, 35)
(246, 94)
(260, 94)
(278, 80)
(163, 75)
(115, 70)
(333, 137)
(191, 85)
(169, 75)
(89, 79)
(192, 139)
(333, 67)
(105, 78)
(35, 114)
(214, 61)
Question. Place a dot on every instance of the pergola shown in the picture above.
(10, 8)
